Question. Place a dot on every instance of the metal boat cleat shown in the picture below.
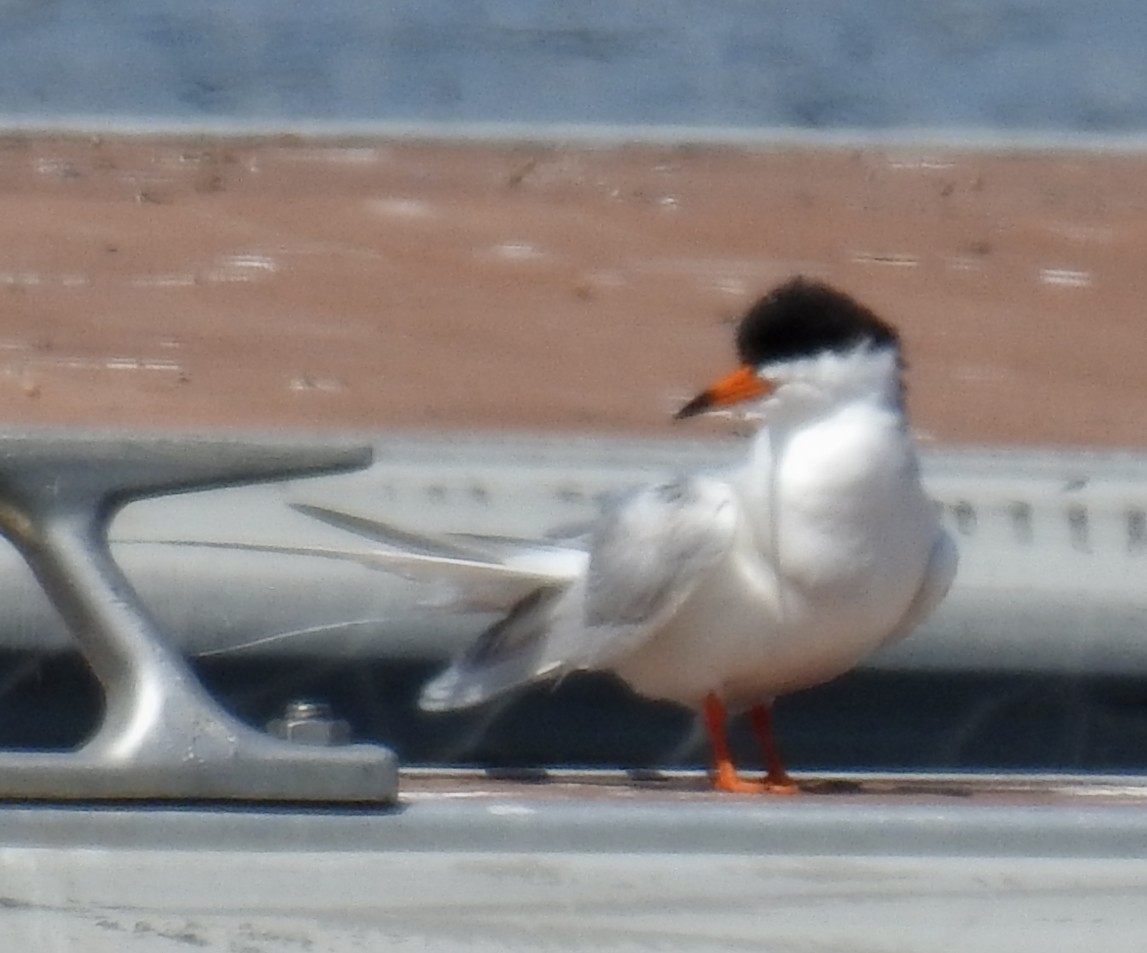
(162, 734)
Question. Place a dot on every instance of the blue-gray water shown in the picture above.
(1008, 66)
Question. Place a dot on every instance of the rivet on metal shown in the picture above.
(1136, 530)
(1079, 528)
(965, 516)
(1021, 514)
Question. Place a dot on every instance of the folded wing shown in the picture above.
(645, 556)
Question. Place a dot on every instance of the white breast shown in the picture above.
(833, 540)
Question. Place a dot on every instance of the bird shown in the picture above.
(723, 589)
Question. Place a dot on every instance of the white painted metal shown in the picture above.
(1053, 549)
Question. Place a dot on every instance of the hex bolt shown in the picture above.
(308, 722)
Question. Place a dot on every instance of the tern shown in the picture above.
(723, 590)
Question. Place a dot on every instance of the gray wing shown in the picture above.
(470, 572)
(647, 553)
(402, 539)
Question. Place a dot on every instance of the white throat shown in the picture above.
(834, 439)
(810, 388)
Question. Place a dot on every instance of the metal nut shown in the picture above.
(310, 723)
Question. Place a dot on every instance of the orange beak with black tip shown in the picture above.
(735, 388)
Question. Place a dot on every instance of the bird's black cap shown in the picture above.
(804, 317)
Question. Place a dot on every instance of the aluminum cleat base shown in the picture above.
(255, 770)
(162, 735)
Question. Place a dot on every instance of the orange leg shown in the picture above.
(777, 780)
(725, 777)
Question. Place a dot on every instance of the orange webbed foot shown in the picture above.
(725, 777)
(785, 785)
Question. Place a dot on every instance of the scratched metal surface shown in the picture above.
(469, 864)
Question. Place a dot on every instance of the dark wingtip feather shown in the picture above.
(503, 658)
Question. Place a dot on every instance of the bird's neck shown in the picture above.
(849, 444)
